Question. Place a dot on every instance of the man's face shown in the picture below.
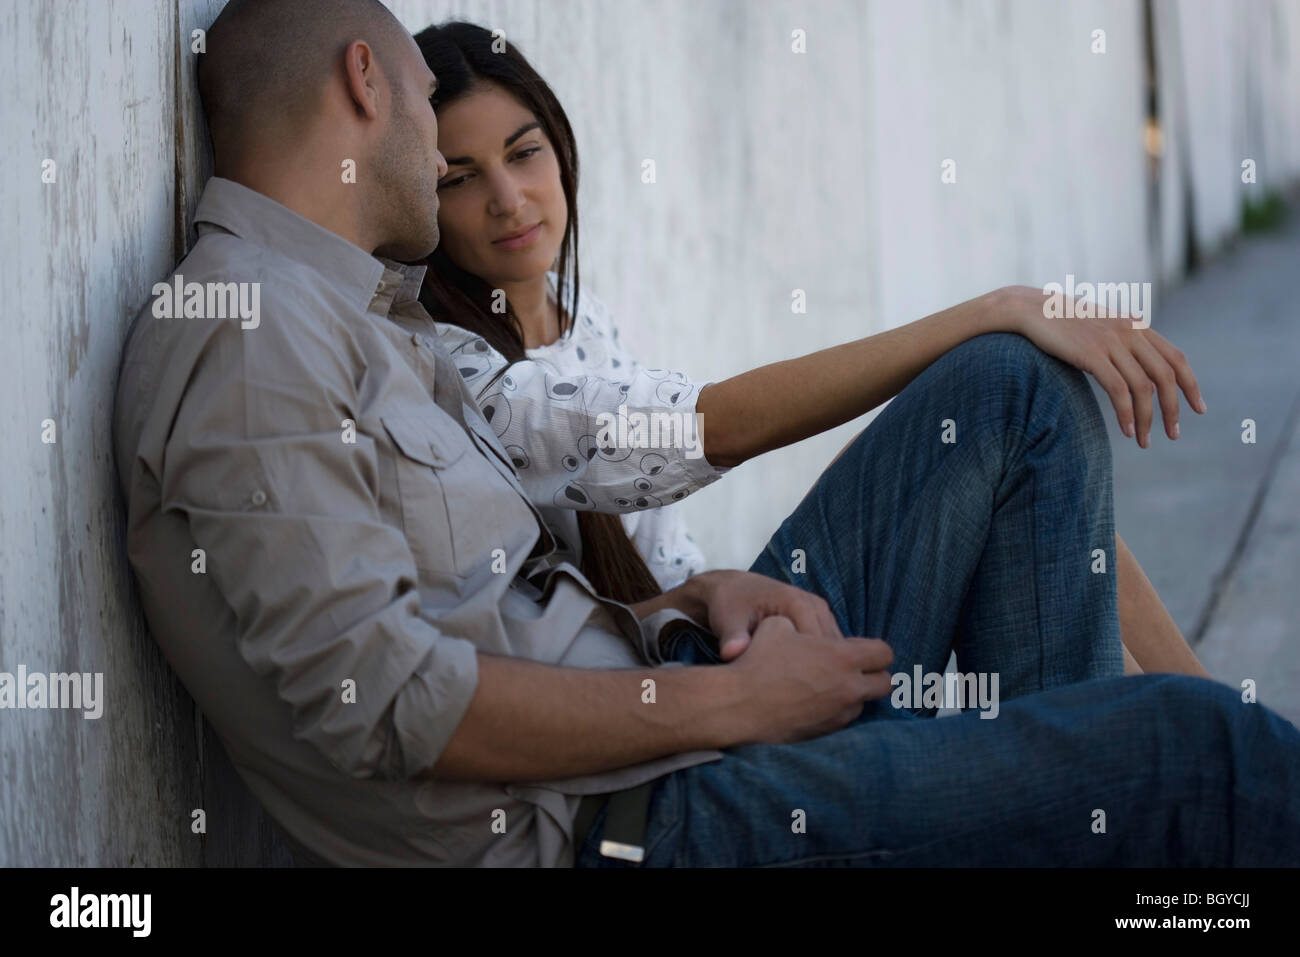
(408, 163)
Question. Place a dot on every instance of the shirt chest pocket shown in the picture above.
(455, 509)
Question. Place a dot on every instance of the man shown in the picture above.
(335, 555)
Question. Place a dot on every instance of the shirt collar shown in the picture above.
(375, 284)
(399, 283)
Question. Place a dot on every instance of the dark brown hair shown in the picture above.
(460, 54)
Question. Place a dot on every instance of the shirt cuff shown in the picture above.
(432, 704)
(652, 627)
(698, 470)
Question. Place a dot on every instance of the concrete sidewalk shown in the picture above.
(1214, 521)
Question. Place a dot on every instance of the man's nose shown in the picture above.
(440, 163)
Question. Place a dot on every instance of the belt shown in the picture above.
(625, 822)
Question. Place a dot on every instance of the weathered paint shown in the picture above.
(775, 171)
(89, 89)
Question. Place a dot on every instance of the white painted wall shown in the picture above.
(821, 172)
(92, 92)
(776, 171)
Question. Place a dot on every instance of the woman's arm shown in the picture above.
(550, 422)
(782, 403)
(779, 404)
(542, 417)
(585, 441)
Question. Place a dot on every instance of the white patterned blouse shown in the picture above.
(588, 427)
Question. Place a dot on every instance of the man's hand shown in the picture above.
(799, 686)
(1134, 366)
(738, 601)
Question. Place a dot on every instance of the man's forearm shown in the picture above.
(529, 721)
(785, 402)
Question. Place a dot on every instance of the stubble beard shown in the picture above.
(409, 190)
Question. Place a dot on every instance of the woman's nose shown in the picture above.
(506, 198)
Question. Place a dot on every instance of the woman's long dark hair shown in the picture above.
(461, 54)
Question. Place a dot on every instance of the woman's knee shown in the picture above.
(1015, 366)
(1010, 356)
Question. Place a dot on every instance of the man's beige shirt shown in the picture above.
(326, 534)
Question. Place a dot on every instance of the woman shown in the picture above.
(543, 356)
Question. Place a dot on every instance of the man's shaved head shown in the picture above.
(267, 61)
(297, 90)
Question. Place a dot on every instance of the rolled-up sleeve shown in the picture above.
(574, 438)
(285, 510)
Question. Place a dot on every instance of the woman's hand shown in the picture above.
(1134, 366)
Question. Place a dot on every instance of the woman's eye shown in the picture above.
(452, 183)
(524, 154)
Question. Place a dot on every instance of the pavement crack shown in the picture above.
(1223, 581)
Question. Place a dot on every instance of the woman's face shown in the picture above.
(501, 210)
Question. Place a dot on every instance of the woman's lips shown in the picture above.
(521, 241)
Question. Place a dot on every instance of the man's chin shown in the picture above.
(411, 250)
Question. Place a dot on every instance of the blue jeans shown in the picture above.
(981, 534)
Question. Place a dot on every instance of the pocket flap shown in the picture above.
(432, 441)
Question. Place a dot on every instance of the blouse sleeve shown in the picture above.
(586, 441)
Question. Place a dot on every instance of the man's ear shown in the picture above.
(362, 75)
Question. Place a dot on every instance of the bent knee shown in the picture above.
(1012, 364)
(1202, 706)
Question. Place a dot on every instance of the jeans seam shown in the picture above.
(679, 814)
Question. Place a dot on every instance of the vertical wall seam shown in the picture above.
(180, 208)
(178, 140)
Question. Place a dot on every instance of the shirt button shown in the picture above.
(259, 497)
